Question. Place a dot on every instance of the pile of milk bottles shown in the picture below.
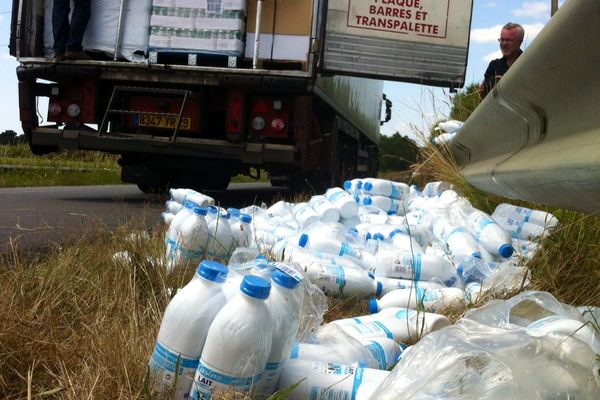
(416, 254)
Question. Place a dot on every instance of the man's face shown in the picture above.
(509, 41)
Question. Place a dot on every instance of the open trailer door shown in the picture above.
(418, 41)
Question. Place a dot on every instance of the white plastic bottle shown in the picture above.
(393, 263)
(520, 229)
(434, 189)
(323, 380)
(353, 185)
(305, 215)
(384, 187)
(490, 235)
(400, 324)
(280, 209)
(537, 217)
(430, 299)
(390, 284)
(327, 245)
(167, 217)
(184, 328)
(181, 195)
(456, 239)
(241, 230)
(337, 280)
(238, 343)
(172, 206)
(285, 305)
(450, 126)
(220, 237)
(380, 353)
(568, 327)
(443, 138)
(343, 201)
(324, 208)
(403, 241)
(387, 204)
(187, 237)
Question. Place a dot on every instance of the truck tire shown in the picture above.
(153, 189)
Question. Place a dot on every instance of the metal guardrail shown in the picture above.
(536, 136)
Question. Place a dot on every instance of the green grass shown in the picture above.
(19, 167)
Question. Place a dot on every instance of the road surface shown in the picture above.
(39, 216)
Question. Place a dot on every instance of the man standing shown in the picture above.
(68, 36)
(510, 40)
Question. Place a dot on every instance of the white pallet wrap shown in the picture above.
(101, 31)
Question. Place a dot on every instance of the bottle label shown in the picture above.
(347, 249)
(207, 380)
(378, 353)
(271, 377)
(288, 270)
(427, 295)
(369, 329)
(334, 196)
(407, 267)
(167, 366)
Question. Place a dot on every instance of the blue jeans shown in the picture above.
(68, 36)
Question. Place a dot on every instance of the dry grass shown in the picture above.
(75, 324)
(568, 265)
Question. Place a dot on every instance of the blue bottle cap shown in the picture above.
(371, 275)
(367, 201)
(213, 209)
(303, 240)
(359, 185)
(476, 255)
(212, 271)
(379, 289)
(295, 350)
(245, 218)
(233, 211)
(347, 185)
(199, 210)
(368, 186)
(283, 279)
(505, 250)
(224, 215)
(378, 236)
(368, 236)
(395, 232)
(255, 286)
(190, 204)
(373, 309)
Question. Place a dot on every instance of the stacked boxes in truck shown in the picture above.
(175, 89)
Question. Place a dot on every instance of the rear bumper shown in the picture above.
(246, 153)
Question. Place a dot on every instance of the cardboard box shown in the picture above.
(284, 17)
(284, 47)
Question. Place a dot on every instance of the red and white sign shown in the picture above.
(406, 17)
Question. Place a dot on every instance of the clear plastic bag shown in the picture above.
(491, 354)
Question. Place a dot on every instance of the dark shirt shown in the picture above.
(497, 67)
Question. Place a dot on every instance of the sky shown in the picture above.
(416, 107)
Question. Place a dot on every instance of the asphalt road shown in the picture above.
(39, 216)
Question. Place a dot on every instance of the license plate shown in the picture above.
(162, 121)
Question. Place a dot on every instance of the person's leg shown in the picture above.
(60, 25)
(79, 21)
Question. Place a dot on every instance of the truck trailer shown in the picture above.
(189, 95)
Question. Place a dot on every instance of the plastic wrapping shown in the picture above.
(331, 344)
(101, 30)
(490, 354)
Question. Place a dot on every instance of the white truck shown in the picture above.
(188, 95)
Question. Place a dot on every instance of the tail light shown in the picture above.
(235, 116)
(54, 109)
(270, 117)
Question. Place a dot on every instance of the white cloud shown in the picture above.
(537, 9)
(491, 35)
(492, 56)
(485, 35)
